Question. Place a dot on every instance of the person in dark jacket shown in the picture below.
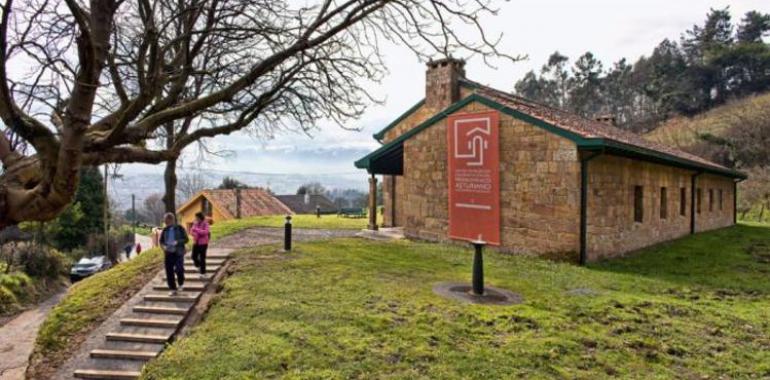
(172, 240)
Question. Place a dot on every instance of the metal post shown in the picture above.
(478, 268)
(287, 234)
(133, 213)
(318, 211)
(105, 215)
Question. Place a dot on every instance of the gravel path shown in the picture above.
(266, 235)
(17, 338)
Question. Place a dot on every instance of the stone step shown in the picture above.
(208, 262)
(209, 269)
(181, 297)
(164, 323)
(160, 310)
(123, 354)
(192, 287)
(217, 257)
(105, 374)
(140, 338)
(192, 279)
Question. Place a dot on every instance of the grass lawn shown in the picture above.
(298, 221)
(695, 308)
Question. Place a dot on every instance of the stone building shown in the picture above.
(569, 187)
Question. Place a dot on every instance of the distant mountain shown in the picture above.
(281, 170)
(145, 184)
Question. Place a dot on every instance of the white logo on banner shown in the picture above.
(476, 144)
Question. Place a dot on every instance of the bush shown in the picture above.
(42, 262)
(16, 289)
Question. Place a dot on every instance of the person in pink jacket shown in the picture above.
(201, 235)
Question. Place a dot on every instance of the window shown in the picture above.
(663, 203)
(206, 207)
(638, 204)
(700, 199)
(720, 199)
(683, 201)
(711, 200)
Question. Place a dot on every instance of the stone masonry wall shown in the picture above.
(612, 230)
(718, 216)
(539, 180)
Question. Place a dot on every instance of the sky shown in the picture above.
(536, 28)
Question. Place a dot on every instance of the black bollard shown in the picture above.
(287, 234)
(478, 268)
(318, 211)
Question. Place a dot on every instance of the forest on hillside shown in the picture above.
(711, 64)
(707, 93)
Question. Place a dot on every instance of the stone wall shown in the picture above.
(719, 215)
(539, 180)
(612, 229)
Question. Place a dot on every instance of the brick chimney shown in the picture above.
(442, 82)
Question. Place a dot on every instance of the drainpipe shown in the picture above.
(693, 201)
(584, 206)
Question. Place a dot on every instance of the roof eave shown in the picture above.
(381, 134)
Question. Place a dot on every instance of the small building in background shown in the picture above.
(226, 204)
(308, 203)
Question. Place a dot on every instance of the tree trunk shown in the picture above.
(169, 178)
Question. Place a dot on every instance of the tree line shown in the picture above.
(709, 65)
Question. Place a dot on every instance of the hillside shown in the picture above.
(683, 132)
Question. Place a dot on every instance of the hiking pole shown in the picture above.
(287, 234)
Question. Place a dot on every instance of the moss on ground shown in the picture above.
(698, 307)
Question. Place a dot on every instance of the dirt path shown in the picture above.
(17, 338)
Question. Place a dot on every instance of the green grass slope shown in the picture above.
(89, 302)
(86, 305)
(695, 308)
(683, 132)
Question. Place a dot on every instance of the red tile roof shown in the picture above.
(584, 127)
(254, 202)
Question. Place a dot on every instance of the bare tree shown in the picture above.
(108, 78)
(153, 209)
(190, 184)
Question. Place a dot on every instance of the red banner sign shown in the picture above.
(474, 177)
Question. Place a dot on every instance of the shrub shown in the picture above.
(43, 262)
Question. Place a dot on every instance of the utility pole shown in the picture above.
(133, 213)
(106, 216)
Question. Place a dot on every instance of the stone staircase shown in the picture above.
(148, 326)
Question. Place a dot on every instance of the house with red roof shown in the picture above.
(472, 163)
(225, 204)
